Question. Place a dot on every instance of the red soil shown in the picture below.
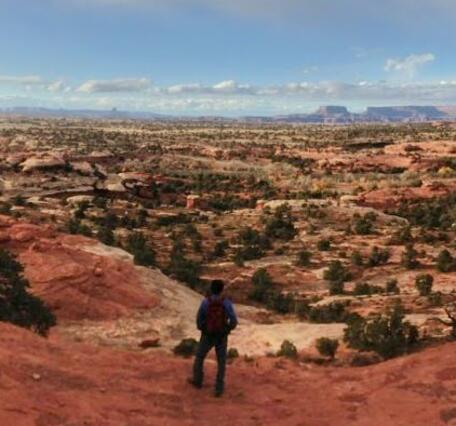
(47, 383)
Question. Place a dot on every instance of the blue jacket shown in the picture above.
(229, 310)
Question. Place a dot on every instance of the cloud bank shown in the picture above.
(409, 65)
(113, 86)
(230, 96)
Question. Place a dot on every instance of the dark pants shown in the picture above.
(206, 343)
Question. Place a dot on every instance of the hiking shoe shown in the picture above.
(218, 393)
(194, 384)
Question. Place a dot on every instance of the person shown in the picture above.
(216, 318)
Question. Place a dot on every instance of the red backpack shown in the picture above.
(216, 318)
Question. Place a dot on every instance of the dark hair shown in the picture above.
(217, 286)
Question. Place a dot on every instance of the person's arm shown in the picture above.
(201, 315)
(231, 314)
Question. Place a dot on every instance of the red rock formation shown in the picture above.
(76, 283)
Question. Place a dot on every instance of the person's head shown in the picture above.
(217, 287)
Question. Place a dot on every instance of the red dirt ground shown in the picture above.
(52, 382)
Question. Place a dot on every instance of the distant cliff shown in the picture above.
(330, 114)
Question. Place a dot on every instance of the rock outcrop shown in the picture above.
(76, 283)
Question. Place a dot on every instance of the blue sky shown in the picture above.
(229, 57)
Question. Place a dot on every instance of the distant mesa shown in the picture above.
(329, 114)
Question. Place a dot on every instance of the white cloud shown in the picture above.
(226, 87)
(58, 86)
(29, 80)
(112, 86)
(185, 88)
(408, 66)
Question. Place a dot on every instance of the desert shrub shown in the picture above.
(238, 259)
(331, 312)
(288, 350)
(409, 258)
(143, 253)
(100, 202)
(392, 287)
(423, 284)
(17, 305)
(280, 302)
(302, 309)
(19, 200)
(182, 268)
(366, 289)
(262, 286)
(232, 353)
(435, 298)
(356, 258)
(304, 257)
(378, 257)
(364, 225)
(337, 275)
(173, 219)
(436, 213)
(280, 225)
(336, 287)
(220, 249)
(327, 347)
(445, 261)
(388, 335)
(324, 244)
(279, 251)
(5, 208)
(254, 244)
(75, 226)
(109, 220)
(186, 347)
(79, 213)
(106, 236)
(402, 236)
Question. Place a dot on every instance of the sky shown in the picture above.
(226, 57)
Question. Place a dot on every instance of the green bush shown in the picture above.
(364, 225)
(325, 314)
(356, 258)
(142, 253)
(262, 286)
(327, 347)
(288, 350)
(186, 347)
(17, 305)
(232, 353)
(409, 258)
(337, 275)
(280, 225)
(304, 257)
(445, 261)
(324, 245)
(402, 236)
(388, 335)
(182, 268)
(366, 289)
(220, 249)
(392, 287)
(423, 284)
(106, 236)
(378, 257)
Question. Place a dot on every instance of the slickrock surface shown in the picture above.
(77, 284)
